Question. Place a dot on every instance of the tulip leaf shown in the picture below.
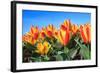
(64, 56)
(72, 53)
(60, 52)
(59, 58)
(46, 58)
(68, 57)
(66, 50)
(34, 54)
(29, 46)
(36, 59)
(84, 50)
(57, 45)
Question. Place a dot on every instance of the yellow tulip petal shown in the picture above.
(40, 48)
(46, 47)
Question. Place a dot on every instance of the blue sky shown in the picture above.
(43, 18)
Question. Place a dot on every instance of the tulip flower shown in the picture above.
(74, 29)
(43, 33)
(34, 32)
(28, 38)
(32, 36)
(85, 32)
(25, 38)
(64, 33)
(56, 33)
(66, 25)
(43, 48)
(50, 31)
(64, 36)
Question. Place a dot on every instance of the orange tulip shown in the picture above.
(64, 36)
(32, 36)
(74, 29)
(50, 31)
(64, 33)
(43, 33)
(25, 38)
(85, 32)
(28, 38)
(56, 33)
(34, 32)
(66, 25)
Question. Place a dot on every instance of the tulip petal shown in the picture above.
(83, 34)
(67, 37)
(46, 47)
(88, 30)
(40, 48)
(74, 29)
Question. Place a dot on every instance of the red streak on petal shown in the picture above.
(67, 37)
(50, 34)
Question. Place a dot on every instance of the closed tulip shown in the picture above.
(43, 33)
(85, 32)
(50, 31)
(34, 32)
(64, 36)
(74, 29)
(43, 48)
(64, 33)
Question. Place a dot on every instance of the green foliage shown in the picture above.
(72, 53)
(84, 50)
(75, 50)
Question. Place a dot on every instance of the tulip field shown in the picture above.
(68, 42)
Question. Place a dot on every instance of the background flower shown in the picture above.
(74, 29)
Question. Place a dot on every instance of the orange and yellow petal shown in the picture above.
(74, 29)
(83, 34)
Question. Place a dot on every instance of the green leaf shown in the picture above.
(37, 59)
(66, 50)
(59, 58)
(72, 53)
(68, 57)
(29, 46)
(46, 58)
(78, 43)
(60, 52)
(84, 50)
(64, 56)
(57, 45)
(34, 54)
